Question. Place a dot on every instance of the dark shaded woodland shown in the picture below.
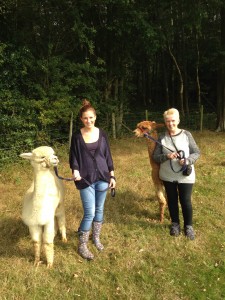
(124, 55)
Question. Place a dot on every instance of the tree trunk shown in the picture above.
(221, 79)
(120, 104)
(181, 102)
(167, 98)
(186, 102)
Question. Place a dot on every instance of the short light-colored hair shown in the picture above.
(171, 111)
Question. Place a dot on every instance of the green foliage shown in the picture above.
(40, 94)
(54, 53)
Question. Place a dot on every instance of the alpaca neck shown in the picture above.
(42, 179)
(151, 144)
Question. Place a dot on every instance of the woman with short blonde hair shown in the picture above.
(177, 170)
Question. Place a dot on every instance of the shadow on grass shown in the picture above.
(12, 231)
(128, 207)
(16, 240)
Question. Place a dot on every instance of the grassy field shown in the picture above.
(141, 260)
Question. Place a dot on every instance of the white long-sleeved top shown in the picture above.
(183, 141)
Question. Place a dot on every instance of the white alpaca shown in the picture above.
(43, 208)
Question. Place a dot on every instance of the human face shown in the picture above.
(172, 122)
(88, 119)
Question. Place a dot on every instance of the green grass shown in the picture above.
(141, 260)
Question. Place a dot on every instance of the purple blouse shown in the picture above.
(92, 166)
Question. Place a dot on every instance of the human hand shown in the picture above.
(112, 183)
(173, 155)
(182, 161)
(76, 175)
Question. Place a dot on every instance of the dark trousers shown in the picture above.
(179, 191)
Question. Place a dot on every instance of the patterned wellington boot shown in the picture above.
(82, 247)
(96, 229)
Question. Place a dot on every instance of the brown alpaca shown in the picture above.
(150, 127)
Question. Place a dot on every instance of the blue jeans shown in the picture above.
(93, 204)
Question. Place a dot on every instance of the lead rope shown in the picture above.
(181, 156)
(113, 191)
(180, 152)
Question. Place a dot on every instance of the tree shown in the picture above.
(124, 55)
(221, 77)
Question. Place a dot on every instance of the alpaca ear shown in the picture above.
(160, 125)
(27, 155)
(153, 124)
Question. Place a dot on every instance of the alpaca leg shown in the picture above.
(37, 253)
(61, 221)
(159, 189)
(162, 203)
(162, 210)
(56, 227)
(49, 254)
(48, 239)
(36, 235)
